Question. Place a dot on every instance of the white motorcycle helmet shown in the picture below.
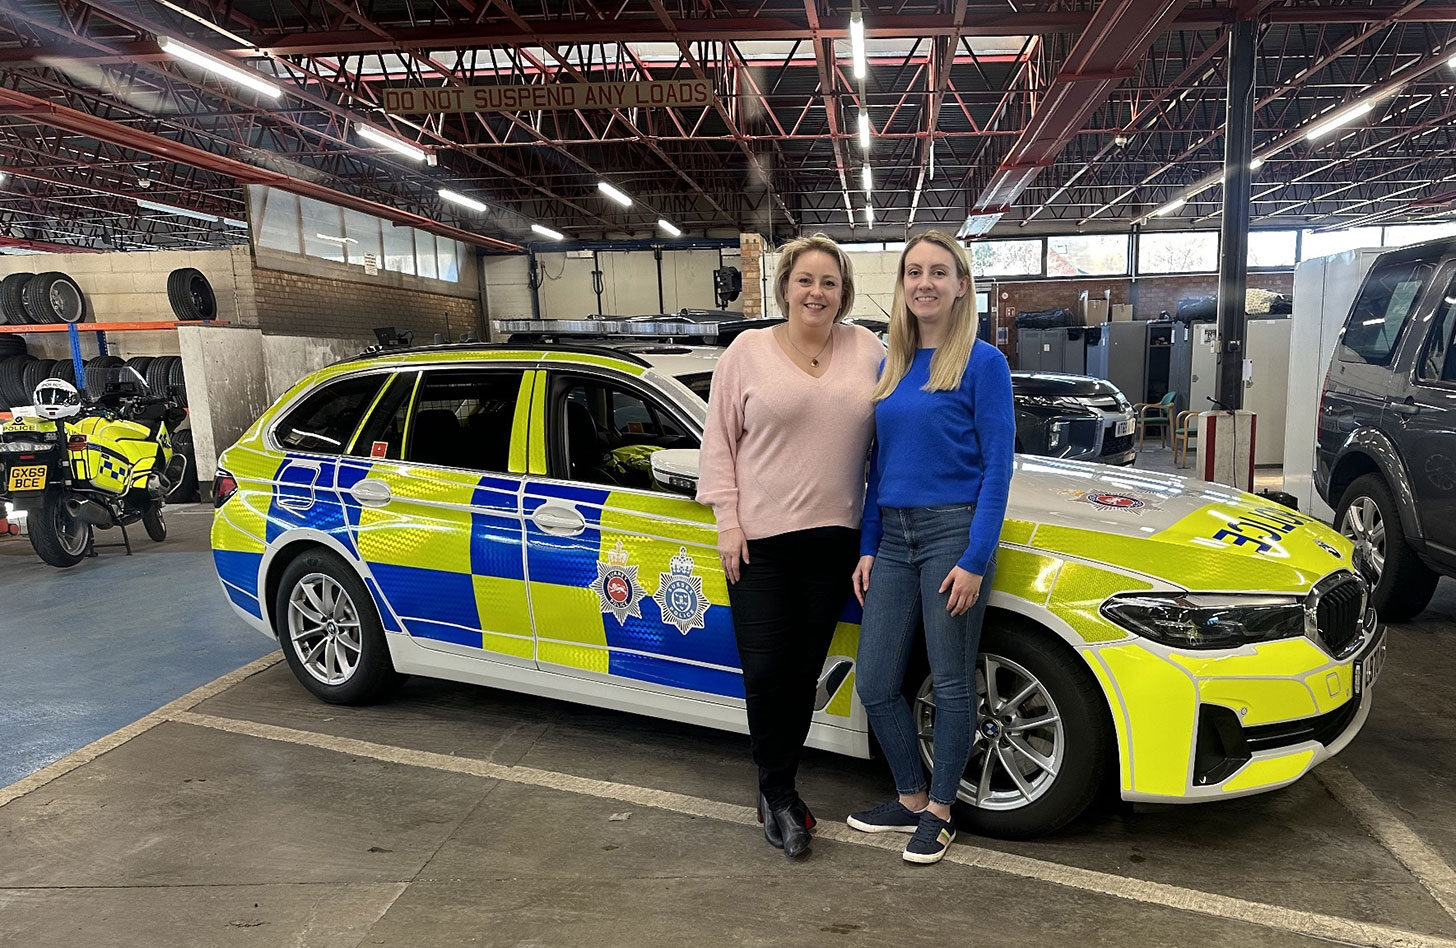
(56, 399)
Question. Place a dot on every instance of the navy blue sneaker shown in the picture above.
(889, 817)
(932, 838)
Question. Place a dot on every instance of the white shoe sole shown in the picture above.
(925, 860)
(872, 828)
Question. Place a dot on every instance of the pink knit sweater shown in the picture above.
(785, 451)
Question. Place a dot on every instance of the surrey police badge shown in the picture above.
(679, 594)
(616, 586)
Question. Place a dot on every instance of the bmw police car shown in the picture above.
(521, 517)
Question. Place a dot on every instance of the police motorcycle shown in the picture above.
(75, 466)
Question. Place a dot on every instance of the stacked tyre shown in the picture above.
(14, 363)
(190, 294)
(41, 298)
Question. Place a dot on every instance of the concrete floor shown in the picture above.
(246, 813)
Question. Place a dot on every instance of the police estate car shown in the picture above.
(521, 517)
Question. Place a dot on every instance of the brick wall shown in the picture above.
(307, 305)
(1152, 295)
(751, 265)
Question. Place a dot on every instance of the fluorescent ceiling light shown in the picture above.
(665, 225)
(243, 77)
(1170, 207)
(869, 213)
(462, 200)
(614, 194)
(857, 43)
(334, 239)
(1256, 164)
(234, 222)
(864, 130)
(1343, 118)
(548, 232)
(389, 141)
(181, 211)
(866, 179)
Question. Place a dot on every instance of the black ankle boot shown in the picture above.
(770, 827)
(791, 831)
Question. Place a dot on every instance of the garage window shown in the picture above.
(1385, 303)
(324, 421)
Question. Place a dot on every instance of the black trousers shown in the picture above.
(785, 605)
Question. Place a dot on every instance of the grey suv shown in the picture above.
(1386, 455)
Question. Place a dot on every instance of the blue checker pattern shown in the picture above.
(429, 594)
(238, 569)
(245, 602)
(495, 537)
(440, 632)
(666, 672)
(302, 501)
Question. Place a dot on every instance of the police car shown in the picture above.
(522, 517)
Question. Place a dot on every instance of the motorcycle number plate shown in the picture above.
(30, 477)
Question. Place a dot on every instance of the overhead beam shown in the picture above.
(824, 61)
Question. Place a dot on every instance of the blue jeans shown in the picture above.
(917, 550)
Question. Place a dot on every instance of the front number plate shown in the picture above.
(1124, 428)
(30, 477)
(1369, 664)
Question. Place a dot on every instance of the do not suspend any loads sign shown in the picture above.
(672, 93)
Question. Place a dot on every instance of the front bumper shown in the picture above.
(1194, 727)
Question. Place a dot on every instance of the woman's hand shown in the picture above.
(861, 577)
(732, 547)
(965, 589)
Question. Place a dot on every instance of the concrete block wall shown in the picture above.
(508, 287)
(629, 283)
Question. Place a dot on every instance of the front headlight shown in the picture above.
(1057, 434)
(1200, 621)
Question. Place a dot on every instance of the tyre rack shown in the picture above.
(74, 330)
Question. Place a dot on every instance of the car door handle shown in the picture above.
(558, 521)
(1407, 407)
(371, 492)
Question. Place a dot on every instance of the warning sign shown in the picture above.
(674, 93)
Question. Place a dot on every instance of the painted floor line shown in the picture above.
(1433, 872)
(1293, 921)
(117, 738)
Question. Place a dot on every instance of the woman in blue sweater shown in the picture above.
(939, 478)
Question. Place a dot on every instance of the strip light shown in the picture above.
(398, 145)
(1343, 118)
(866, 180)
(180, 211)
(869, 213)
(548, 232)
(335, 239)
(857, 42)
(616, 195)
(1170, 207)
(243, 77)
(864, 130)
(457, 198)
(1256, 164)
(667, 226)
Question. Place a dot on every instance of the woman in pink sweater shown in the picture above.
(790, 419)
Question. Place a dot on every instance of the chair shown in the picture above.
(1158, 413)
(1185, 428)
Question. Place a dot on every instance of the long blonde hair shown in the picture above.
(948, 365)
(790, 253)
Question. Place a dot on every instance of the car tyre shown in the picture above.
(330, 631)
(1403, 584)
(1062, 721)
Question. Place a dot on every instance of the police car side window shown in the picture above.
(464, 418)
(382, 435)
(606, 433)
(326, 419)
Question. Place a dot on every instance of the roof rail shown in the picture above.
(375, 351)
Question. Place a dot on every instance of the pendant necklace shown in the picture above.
(813, 359)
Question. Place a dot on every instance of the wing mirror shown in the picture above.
(676, 470)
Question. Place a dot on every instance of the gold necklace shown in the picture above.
(813, 359)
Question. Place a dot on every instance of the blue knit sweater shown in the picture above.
(954, 447)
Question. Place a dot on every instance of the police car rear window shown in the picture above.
(325, 420)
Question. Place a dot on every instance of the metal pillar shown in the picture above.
(1234, 234)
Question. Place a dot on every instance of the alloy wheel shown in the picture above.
(323, 626)
(71, 532)
(1019, 742)
(1363, 526)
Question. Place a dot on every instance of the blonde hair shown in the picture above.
(789, 255)
(948, 365)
